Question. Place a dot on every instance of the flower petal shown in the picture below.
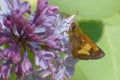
(60, 74)
(40, 62)
(48, 55)
(16, 58)
(16, 4)
(26, 66)
(4, 6)
(25, 7)
(70, 66)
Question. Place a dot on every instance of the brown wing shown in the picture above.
(82, 46)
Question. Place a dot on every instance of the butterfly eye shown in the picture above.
(73, 28)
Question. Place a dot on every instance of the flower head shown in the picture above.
(42, 33)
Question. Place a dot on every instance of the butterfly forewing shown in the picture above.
(82, 46)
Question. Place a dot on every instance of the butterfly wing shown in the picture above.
(82, 46)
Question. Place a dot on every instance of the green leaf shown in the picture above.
(104, 32)
(106, 68)
(88, 8)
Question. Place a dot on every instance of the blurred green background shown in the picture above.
(100, 19)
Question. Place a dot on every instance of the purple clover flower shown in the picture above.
(43, 34)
